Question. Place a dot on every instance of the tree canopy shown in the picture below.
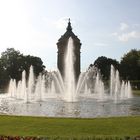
(103, 64)
(130, 65)
(12, 63)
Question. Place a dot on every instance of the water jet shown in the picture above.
(68, 90)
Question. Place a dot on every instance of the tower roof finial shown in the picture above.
(69, 28)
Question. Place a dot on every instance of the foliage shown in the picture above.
(135, 84)
(12, 63)
(19, 138)
(68, 127)
(130, 65)
(70, 138)
(103, 64)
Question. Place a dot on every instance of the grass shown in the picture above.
(69, 127)
(136, 92)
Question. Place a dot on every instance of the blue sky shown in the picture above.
(108, 28)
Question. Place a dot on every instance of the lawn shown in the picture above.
(136, 92)
(69, 127)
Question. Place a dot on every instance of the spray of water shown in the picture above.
(52, 85)
(119, 89)
(69, 78)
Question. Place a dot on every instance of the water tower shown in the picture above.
(62, 44)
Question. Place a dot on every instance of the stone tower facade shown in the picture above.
(61, 46)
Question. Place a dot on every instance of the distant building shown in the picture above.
(61, 45)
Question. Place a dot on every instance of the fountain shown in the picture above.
(52, 85)
(61, 94)
(69, 77)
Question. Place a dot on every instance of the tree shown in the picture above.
(12, 63)
(36, 62)
(130, 65)
(103, 64)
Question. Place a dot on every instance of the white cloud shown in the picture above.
(124, 37)
(101, 44)
(114, 34)
(126, 32)
(61, 23)
(14, 25)
(123, 26)
(136, 25)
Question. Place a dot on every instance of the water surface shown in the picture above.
(84, 108)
